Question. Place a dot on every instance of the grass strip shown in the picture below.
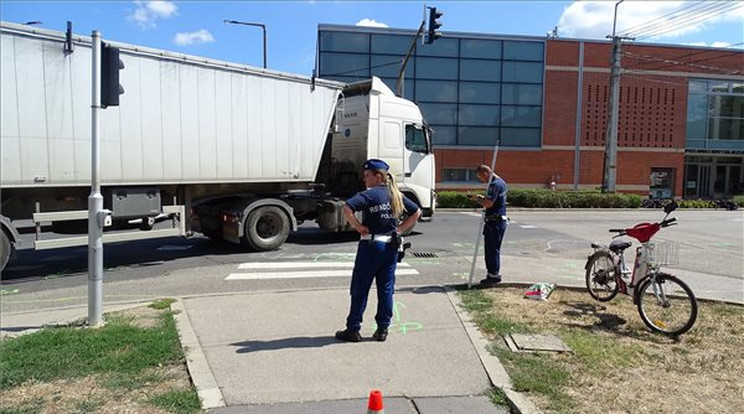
(62, 353)
(177, 401)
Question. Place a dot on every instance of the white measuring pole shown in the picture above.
(482, 218)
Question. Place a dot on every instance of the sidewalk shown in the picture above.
(275, 352)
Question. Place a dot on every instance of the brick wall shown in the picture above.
(652, 116)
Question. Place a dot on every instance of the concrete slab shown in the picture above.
(391, 406)
(457, 405)
(535, 342)
(268, 348)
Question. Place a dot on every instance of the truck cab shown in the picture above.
(371, 122)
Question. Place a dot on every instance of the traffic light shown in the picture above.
(110, 86)
(434, 25)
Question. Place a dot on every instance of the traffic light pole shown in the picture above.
(399, 84)
(95, 200)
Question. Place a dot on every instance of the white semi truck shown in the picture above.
(234, 152)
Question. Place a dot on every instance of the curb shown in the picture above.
(497, 375)
(198, 367)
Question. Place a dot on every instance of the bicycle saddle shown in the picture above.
(618, 246)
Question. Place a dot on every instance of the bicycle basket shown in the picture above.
(664, 253)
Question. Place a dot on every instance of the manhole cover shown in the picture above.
(425, 254)
(536, 343)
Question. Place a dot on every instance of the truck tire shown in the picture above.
(4, 249)
(266, 228)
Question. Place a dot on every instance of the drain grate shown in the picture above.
(429, 255)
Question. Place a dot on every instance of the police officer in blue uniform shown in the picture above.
(495, 226)
(377, 254)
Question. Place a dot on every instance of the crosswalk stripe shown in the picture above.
(292, 265)
(305, 274)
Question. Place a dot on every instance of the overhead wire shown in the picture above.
(677, 63)
(351, 71)
(700, 9)
(677, 25)
(652, 22)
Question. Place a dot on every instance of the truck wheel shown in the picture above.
(4, 249)
(266, 228)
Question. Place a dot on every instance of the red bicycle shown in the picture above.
(666, 304)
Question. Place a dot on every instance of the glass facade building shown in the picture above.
(474, 90)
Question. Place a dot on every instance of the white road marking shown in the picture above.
(305, 274)
(527, 226)
(301, 265)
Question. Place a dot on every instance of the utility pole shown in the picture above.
(609, 178)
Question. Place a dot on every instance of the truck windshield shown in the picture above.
(416, 139)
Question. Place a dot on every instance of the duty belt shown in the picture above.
(377, 237)
(494, 218)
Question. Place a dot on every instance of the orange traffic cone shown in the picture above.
(375, 403)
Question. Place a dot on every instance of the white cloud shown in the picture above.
(370, 23)
(193, 38)
(593, 19)
(146, 13)
(714, 44)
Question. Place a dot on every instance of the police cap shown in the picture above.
(374, 164)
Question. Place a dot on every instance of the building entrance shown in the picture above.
(713, 177)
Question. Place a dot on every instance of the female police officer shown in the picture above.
(377, 254)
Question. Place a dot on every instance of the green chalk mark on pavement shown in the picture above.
(9, 291)
(402, 327)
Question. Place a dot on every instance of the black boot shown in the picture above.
(380, 334)
(349, 336)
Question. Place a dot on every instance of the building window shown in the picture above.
(345, 64)
(715, 112)
(344, 42)
(460, 175)
(473, 91)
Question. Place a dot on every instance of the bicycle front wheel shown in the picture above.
(667, 305)
(601, 275)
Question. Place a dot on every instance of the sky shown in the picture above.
(198, 28)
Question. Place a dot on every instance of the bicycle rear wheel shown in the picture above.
(601, 276)
(667, 305)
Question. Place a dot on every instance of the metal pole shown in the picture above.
(399, 84)
(95, 200)
(579, 104)
(264, 44)
(614, 18)
(483, 218)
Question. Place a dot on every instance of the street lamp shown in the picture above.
(33, 23)
(262, 26)
(614, 19)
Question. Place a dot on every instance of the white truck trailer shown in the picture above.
(233, 152)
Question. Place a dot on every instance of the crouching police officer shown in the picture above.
(377, 254)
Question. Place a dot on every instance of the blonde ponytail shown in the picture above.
(396, 197)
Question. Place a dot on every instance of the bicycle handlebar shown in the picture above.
(617, 230)
(667, 223)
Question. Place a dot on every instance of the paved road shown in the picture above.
(553, 244)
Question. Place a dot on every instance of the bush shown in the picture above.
(543, 198)
(739, 200)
